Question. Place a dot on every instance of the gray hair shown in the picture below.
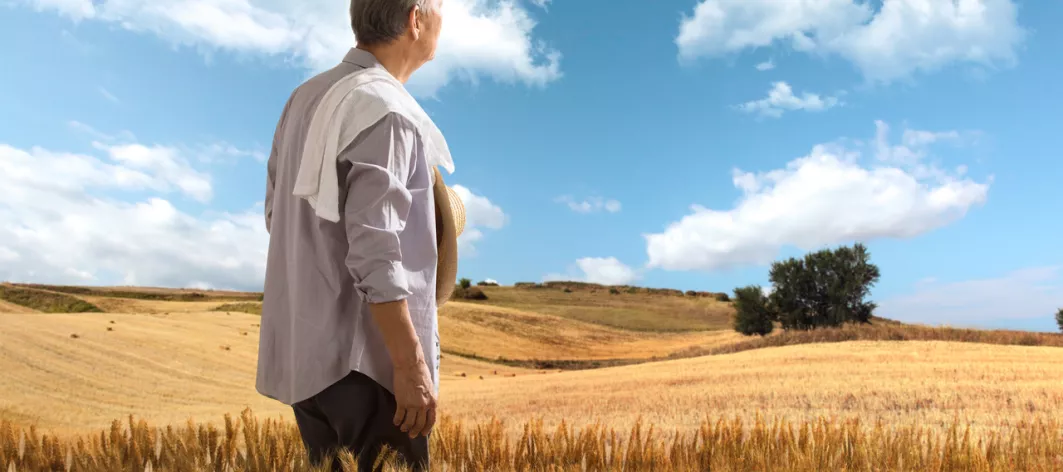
(382, 21)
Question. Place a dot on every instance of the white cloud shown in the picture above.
(827, 197)
(61, 217)
(598, 270)
(166, 164)
(591, 204)
(223, 150)
(98, 135)
(480, 37)
(8, 255)
(781, 99)
(479, 213)
(108, 95)
(1019, 297)
(900, 38)
(766, 65)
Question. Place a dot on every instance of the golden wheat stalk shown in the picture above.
(250, 444)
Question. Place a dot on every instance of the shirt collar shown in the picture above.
(362, 58)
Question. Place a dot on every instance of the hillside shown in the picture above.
(169, 360)
(168, 368)
(642, 310)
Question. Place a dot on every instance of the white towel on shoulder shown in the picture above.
(352, 104)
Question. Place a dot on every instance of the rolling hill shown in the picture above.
(168, 360)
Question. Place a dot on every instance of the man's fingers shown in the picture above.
(411, 418)
(400, 412)
(418, 426)
(430, 422)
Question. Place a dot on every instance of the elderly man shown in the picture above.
(349, 334)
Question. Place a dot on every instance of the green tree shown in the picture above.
(1059, 319)
(825, 288)
(753, 314)
(464, 283)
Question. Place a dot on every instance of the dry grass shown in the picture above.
(149, 293)
(243, 307)
(150, 307)
(900, 383)
(247, 444)
(880, 331)
(491, 332)
(178, 360)
(8, 307)
(45, 301)
(639, 311)
(167, 369)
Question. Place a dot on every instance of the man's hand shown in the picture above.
(415, 398)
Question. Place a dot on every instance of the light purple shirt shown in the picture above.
(321, 276)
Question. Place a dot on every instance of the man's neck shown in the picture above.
(394, 59)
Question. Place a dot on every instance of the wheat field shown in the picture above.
(863, 403)
(490, 332)
(248, 444)
(169, 368)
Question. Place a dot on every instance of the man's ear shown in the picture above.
(414, 22)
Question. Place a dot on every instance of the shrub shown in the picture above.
(48, 302)
(722, 297)
(156, 295)
(244, 307)
(614, 291)
(464, 283)
(691, 293)
(468, 293)
(1059, 319)
(825, 288)
(752, 313)
(484, 283)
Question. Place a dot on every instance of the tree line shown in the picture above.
(823, 289)
(826, 288)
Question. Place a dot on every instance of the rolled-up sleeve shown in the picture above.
(376, 207)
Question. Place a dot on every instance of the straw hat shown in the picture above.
(450, 222)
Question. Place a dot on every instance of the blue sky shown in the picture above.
(682, 144)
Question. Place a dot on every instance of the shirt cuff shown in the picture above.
(384, 284)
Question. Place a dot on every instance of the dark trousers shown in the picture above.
(356, 414)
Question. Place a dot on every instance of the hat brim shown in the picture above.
(446, 241)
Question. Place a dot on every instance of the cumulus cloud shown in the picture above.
(885, 44)
(480, 37)
(781, 99)
(80, 218)
(479, 213)
(827, 197)
(591, 204)
(165, 164)
(1021, 297)
(598, 270)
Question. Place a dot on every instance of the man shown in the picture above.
(349, 333)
